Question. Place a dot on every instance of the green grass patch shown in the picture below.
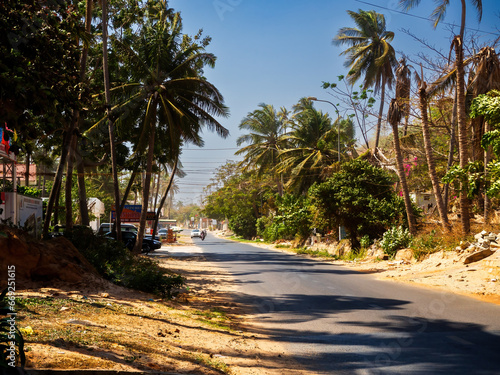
(214, 318)
(282, 246)
(209, 361)
(320, 253)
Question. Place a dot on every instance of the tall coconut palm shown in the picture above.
(111, 125)
(265, 139)
(312, 147)
(397, 109)
(170, 89)
(370, 54)
(463, 143)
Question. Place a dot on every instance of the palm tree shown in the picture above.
(169, 87)
(265, 139)
(463, 144)
(111, 125)
(312, 147)
(370, 54)
(397, 109)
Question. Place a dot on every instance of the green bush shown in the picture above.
(261, 226)
(291, 221)
(359, 197)
(394, 239)
(116, 263)
(243, 226)
(365, 241)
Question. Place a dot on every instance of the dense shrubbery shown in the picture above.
(359, 197)
(292, 220)
(243, 225)
(115, 262)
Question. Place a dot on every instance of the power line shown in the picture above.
(210, 149)
(423, 18)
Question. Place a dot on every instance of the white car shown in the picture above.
(195, 233)
(162, 233)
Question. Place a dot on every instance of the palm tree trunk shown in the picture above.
(54, 193)
(463, 143)
(69, 184)
(147, 179)
(430, 156)
(82, 192)
(405, 129)
(157, 190)
(379, 121)
(111, 126)
(451, 150)
(402, 179)
(164, 197)
(27, 170)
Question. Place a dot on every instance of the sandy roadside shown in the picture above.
(203, 331)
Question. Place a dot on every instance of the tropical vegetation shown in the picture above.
(120, 90)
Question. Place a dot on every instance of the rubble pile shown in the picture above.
(486, 244)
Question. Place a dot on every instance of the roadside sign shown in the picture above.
(131, 213)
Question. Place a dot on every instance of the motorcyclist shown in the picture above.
(203, 234)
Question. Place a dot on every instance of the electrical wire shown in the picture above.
(423, 18)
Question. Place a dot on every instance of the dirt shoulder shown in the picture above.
(100, 326)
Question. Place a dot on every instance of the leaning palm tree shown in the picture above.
(170, 90)
(370, 54)
(397, 109)
(463, 143)
(266, 127)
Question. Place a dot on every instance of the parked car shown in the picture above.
(162, 233)
(195, 233)
(129, 238)
(125, 227)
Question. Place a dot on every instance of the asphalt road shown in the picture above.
(334, 320)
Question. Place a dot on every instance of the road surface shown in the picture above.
(334, 320)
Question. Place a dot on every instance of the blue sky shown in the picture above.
(278, 51)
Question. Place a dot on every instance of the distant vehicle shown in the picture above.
(162, 233)
(176, 229)
(129, 238)
(195, 233)
(125, 227)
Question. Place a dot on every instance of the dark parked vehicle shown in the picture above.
(129, 238)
